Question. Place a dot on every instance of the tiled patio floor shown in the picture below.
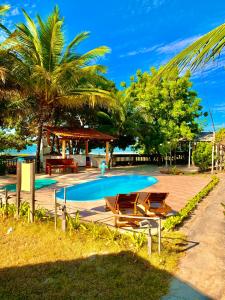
(180, 188)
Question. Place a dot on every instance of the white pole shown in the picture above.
(213, 146)
(189, 155)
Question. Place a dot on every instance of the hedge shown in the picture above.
(173, 221)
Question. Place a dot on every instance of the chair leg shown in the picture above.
(116, 221)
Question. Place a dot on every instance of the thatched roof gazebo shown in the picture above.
(78, 134)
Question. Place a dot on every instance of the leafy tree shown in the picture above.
(119, 123)
(10, 140)
(202, 155)
(42, 68)
(220, 135)
(166, 110)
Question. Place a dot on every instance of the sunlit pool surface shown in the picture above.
(39, 184)
(106, 186)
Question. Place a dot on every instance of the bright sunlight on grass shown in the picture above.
(92, 262)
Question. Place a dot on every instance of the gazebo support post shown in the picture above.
(107, 153)
(63, 148)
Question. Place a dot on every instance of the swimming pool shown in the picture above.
(106, 186)
(39, 184)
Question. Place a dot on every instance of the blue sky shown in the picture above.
(142, 34)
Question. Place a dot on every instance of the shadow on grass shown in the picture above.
(110, 276)
(184, 243)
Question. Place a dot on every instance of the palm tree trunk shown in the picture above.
(39, 137)
(52, 145)
(110, 163)
(57, 145)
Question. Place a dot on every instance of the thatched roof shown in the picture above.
(78, 133)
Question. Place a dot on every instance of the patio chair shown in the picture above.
(124, 204)
(154, 203)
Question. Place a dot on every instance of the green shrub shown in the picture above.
(202, 155)
(138, 239)
(174, 221)
(7, 210)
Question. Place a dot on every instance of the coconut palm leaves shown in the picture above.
(206, 49)
(4, 8)
(41, 66)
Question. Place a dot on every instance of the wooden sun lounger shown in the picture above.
(155, 203)
(124, 204)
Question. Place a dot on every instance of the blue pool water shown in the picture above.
(39, 184)
(106, 186)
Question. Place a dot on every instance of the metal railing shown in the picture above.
(143, 219)
(136, 159)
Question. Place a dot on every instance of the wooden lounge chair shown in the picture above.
(154, 203)
(124, 204)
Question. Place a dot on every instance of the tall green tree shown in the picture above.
(119, 123)
(3, 10)
(165, 111)
(43, 68)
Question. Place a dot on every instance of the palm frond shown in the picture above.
(93, 55)
(4, 8)
(5, 29)
(3, 72)
(32, 32)
(88, 96)
(75, 42)
(206, 49)
(93, 69)
(37, 64)
(52, 39)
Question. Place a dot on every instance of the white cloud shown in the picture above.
(219, 108)
(210, 67)
(177, 45)
(169, 49)
(14, 12)
(140, 51)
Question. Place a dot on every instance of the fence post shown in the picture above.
(55, 201)
(159, 235)
(149, 238)
(18, 188)
(32, 191)
(64, 218)
(6, 202)
(64, 212)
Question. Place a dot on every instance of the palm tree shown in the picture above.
(45, 69)
(204, 50)
(4, 8)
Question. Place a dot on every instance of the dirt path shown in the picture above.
(201, 274)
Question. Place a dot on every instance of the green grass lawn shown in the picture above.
(38, 262)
